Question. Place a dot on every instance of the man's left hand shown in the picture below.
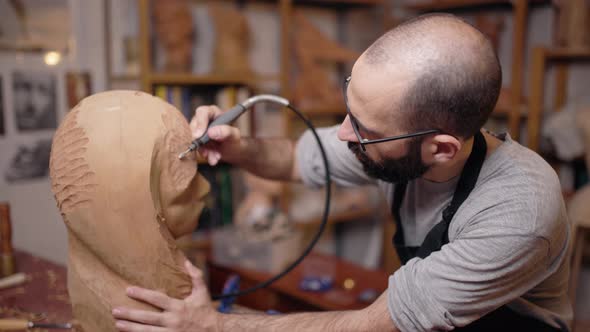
(194, 313)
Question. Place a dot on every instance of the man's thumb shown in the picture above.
(196, 276)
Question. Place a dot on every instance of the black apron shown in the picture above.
(502, 319)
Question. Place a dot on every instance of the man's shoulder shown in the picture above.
(519, 190)
(517, 164)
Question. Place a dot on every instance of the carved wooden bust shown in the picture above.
(124, 197)
(232, 40)
(313, 50)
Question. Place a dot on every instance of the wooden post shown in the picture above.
(518, 46)
(537, 79)
(561, 76)
(6, 251)
(286, 24)
(145, 52)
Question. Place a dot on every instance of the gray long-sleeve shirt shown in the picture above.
(508, 243)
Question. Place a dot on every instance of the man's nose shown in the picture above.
(345, 132)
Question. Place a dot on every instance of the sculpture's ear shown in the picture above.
(176, 187)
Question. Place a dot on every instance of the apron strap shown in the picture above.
(438, 235)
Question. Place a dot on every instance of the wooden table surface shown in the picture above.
(287, 289)
(43, 298)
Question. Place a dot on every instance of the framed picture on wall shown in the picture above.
(29, 161)
(37, 26)
(35, 100)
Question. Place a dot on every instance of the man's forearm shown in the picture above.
(373, 318)
(342, 321)
(268, 158)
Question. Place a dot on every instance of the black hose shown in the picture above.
(320, 229)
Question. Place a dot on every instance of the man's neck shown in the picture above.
(447, 171)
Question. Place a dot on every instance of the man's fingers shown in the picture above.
(154, 298)
(213, 157)
(203, 152)
(126, 326)
(196, 275)
(224, 132)
(203, 115)
(139, 316)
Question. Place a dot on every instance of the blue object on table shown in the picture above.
(231, 285)
(315, 283)
(368, 295)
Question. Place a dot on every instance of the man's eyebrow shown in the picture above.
(359, 124)
(363, 127)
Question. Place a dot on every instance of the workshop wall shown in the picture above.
(36, 223)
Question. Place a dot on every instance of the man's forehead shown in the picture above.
(374, 92)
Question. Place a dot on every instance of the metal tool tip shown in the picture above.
(183, 154)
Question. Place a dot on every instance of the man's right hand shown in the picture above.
(225, 139)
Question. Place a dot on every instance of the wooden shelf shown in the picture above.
(500, 112)
(330, 3)
(460, 4)
(315, 111)
(191, 79)
(337, 217)
(124, 78)
(453, 4)
(567, 53)
(340, 3)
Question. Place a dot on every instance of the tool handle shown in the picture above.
(225, 118)
(8, 324)
(5, 229)
(13, 280)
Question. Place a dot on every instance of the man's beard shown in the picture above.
(399, 170)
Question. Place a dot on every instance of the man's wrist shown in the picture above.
(238, 153)
(214, 321)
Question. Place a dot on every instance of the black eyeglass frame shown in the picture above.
(365, 141)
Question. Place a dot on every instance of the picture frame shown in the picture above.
(28, 161)
(35, 100)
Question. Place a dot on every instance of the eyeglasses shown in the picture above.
(365, 141)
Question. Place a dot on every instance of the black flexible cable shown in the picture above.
(320, 228)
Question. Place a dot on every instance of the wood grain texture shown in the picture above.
(72, 180)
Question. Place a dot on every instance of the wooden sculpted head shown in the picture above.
(124, 196)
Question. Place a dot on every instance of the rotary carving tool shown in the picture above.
(8, 324)
(231, 115)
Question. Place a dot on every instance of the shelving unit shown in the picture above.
(542, 58)
(516, 111)
(285, 10)
(149, 78)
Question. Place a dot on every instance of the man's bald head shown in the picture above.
(455, 74)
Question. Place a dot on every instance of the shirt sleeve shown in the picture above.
(487, 265)
(345, 169)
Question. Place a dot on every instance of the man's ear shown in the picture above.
(441, 148)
